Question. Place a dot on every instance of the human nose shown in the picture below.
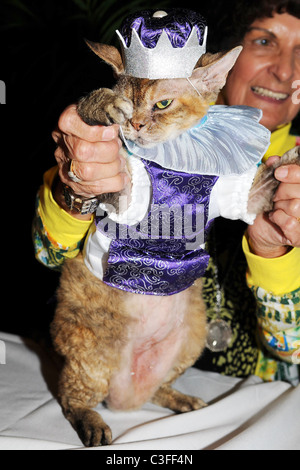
(284, 67)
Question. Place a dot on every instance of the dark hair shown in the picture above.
(229, 21)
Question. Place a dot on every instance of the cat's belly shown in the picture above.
(154, 343)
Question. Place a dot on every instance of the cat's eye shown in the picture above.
(163, 104)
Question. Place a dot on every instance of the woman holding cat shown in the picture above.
(258, 79)
(264, 76)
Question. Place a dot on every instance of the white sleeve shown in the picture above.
(141, 193)
(229, 197)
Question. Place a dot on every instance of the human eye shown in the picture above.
(263, 42)
(163, 104)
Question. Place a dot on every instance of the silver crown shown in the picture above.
(164, 60)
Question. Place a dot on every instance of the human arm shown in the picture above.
(57, 235)
(58, 232)
(275, 284)
(95, 153)
(273, 267)
(274, 234)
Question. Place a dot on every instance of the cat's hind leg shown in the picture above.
(78, 394)
(86, 331)
(84, 380)
(168, 397)
(191, 350)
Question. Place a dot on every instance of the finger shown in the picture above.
(289, 226)
(98, 152)
(267, 239)
(109, 185)
(91, 172)
(287, 191)
(71, 124)
(56, 135)
(290, 207)
(272, 160)
(61, 157)
(112, 185)
(288, 173)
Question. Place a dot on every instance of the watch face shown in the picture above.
(79, 203)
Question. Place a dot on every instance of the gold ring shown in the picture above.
(72, 175)
(298, 218)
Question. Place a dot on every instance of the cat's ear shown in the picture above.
(212, 77)
(109, 54)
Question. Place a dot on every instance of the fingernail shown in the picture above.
(109, 133)
(281, 172)
(126, 178)
(120, 143)
(123, 162)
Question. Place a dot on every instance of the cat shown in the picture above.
(120, 347)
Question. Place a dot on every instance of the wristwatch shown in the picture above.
(83, 205)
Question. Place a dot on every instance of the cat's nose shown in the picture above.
(136, 125)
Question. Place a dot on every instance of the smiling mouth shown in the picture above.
(269, 94)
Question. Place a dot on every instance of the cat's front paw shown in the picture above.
(265, 184)
(104, 107)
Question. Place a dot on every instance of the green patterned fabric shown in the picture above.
(237, 305)
(47, 250)
(243, 308)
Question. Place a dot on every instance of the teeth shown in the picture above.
(271, 94)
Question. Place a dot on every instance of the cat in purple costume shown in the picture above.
(121, 347)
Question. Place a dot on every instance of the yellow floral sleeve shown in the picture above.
(56, 234)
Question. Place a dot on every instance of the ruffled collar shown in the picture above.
(228, 140)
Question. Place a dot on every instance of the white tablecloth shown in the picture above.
(242, 414)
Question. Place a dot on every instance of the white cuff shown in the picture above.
(229, 197)
(140, 196)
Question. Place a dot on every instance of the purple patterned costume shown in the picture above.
(159, 256)
(163, 266)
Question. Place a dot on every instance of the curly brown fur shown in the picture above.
(92, 330)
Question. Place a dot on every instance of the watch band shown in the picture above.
(83, 205)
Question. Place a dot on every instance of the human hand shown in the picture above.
(273, 234)
(95, 152)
